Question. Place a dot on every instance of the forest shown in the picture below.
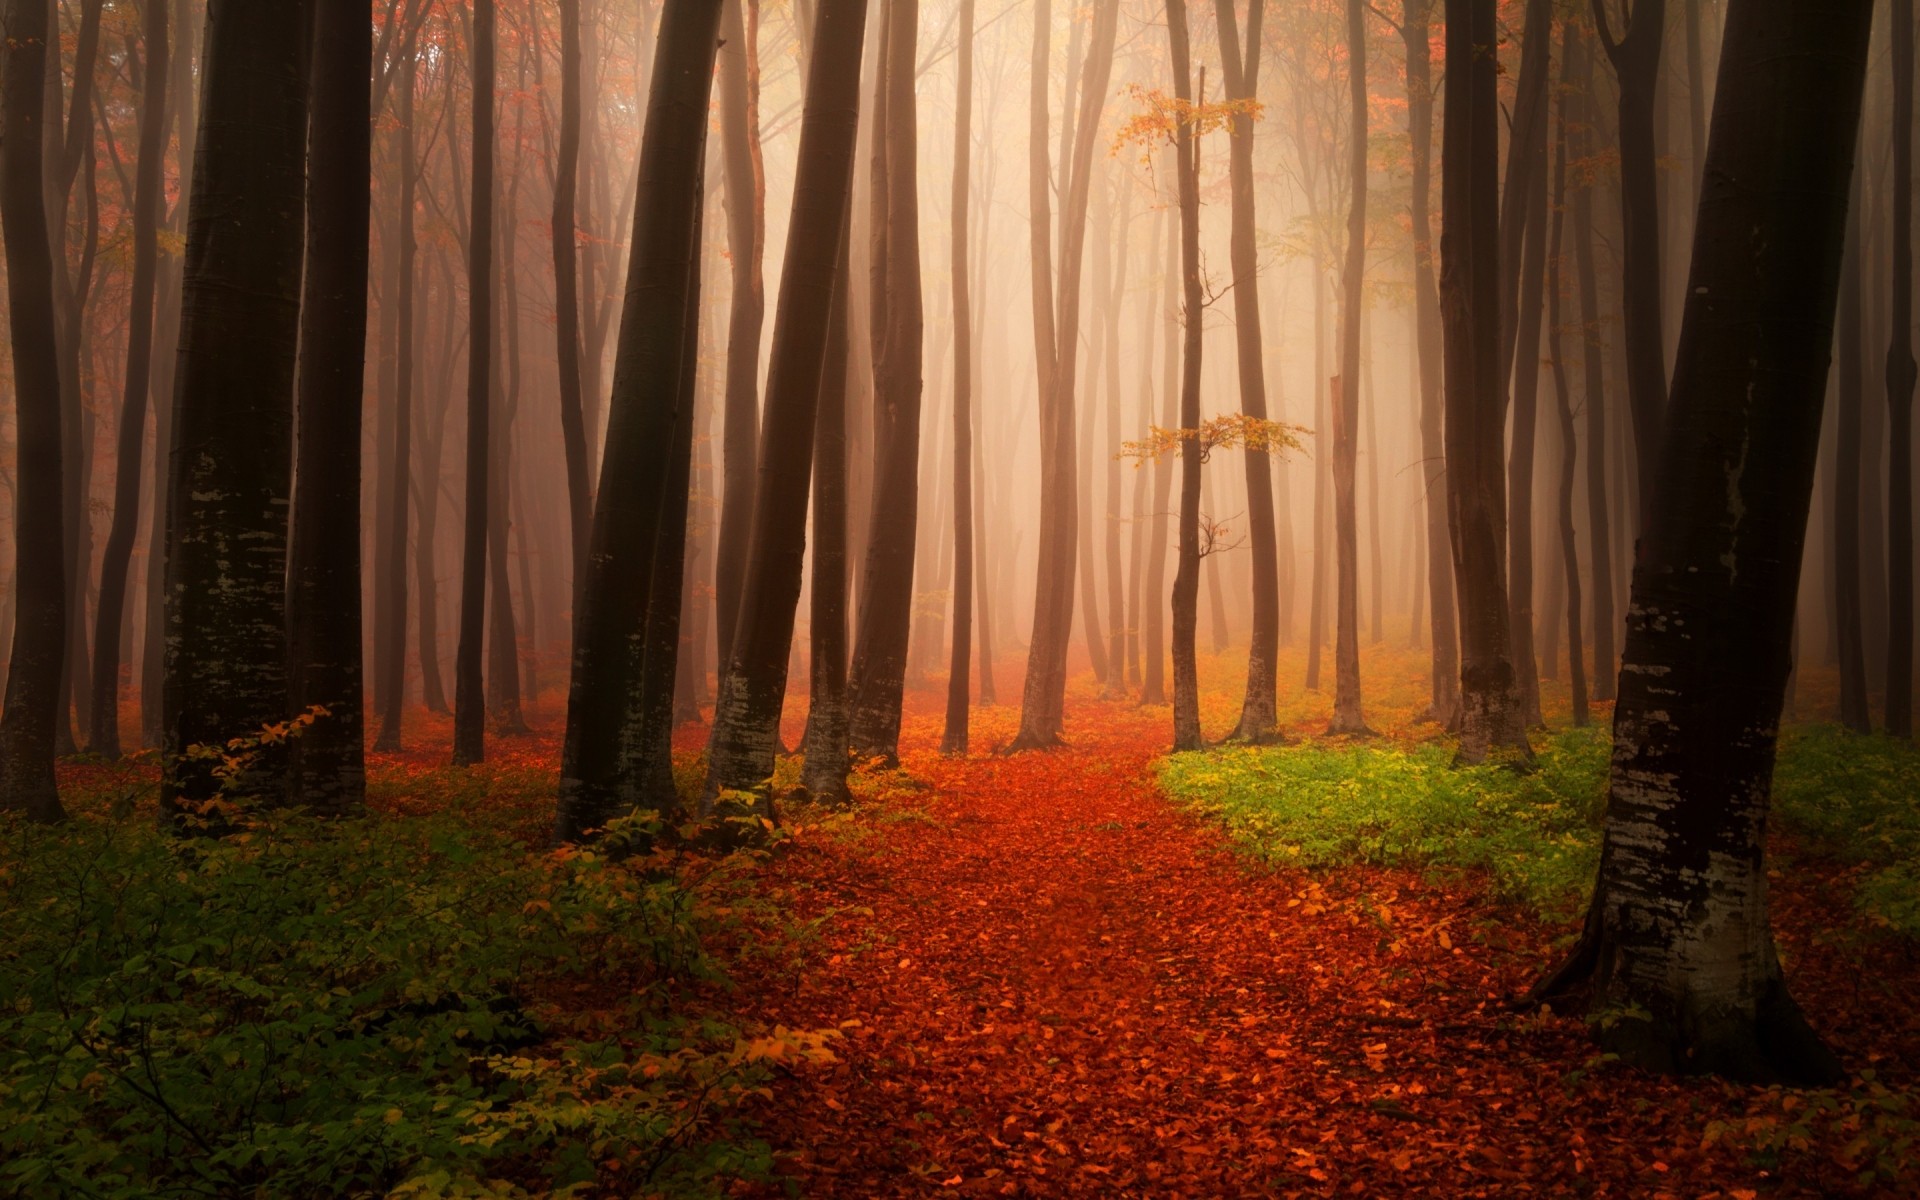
(1039, 598)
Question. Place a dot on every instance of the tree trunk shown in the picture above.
(1322, 458)
(566, 297)
(503, 634)
(1678, 941)
(886, 598)
(327, 762)
(1444, 706)
(1347, 717)
(469, 693)
(1849, 388)
(1526, 165)
(1153, 688)
(1491, 716)
(103, 738)
(753, 685)
(1186, 578)
(601, 770)
(39, 573)
(232, 463)
(391, 609)
(825, 771)
(1900, 382)
(1520, 458)
(1108, 454)
(954, 739)
(1569, 448)
(1636, 61)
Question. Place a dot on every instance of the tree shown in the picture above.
(753, 683)
(1677, 942)
(1347, 717)
(328, 770)
(231, 480)
(1636, 62)
(1849, 390)
(103, 735)
(1186, 576)
(1901, 372)
(954, 739)
(469, 697)
(739, 82)
(1491, 716)
(601, 769)
(1563, 400)
(566, 292)
(824, 773)
(886, 596)
(27, 727)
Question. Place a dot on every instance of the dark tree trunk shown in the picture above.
(954, 738)
(602, 771)
(232, 466)
(1444, 706)
(503, 635)
(1563, 399)
(1678, 941)
(1347, 716)
(39, 570)
(327, 762)
(426, 493)
(886, 596)
(1526, 166)
(1186, 577)
(753, 683)
(1520, 456)
(825, 770)
(469, 690)
(566, 297)
(103, 738)
(1900, 383)
(1849, 389)
(1240, 68)
(1491, 716)
(739, 81)
(391, 607)
(1636, 61)
(1594, 395)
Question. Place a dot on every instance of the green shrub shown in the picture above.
(1858, 798)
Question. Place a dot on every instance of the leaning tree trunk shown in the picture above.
(1241, 70)
(1347, 717)
(1186, 577)
(39, 570)
(1444, 705)
(602, 773)
(391, 610)
(753, 683)
(1900, 382)
(1636, 61)
(327, 767)
(1563, 404)
(954, 739)
(469, 692)
(103, 738)
(1678, 941)
(1491, 716)
(232, 468)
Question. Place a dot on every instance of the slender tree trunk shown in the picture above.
(954, 738)
(1520, 458)
(1900, 373)
(753, 686)
(426, 493)
(1491, 716)
(1636, 62)
(391, 610)
(324, 669)
(469, 693)
(104, 736)
(1186, 579)
(1377, 583)
(1444, 707)
(1347, 716)
(1849, 389)
(232, 466)
(1108, 454)
(1322, 457)
(1563, 401)
(1526, 166)
(1216, 598)
(503, 631)
(602, 772)
(566, 297)
(825, 771)
(1678, 940)
(1153, 688)
(739, 82)
(39, 573)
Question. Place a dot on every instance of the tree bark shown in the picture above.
(1678, 942)
(327, 768)
(1491, 716)
(824, 773)
(1849, 388)
(39, 572)
(602, 769)
(391, 607)
(1520, 456)
(103, 738)
(1347, 715)
(746, 721)
(231, 480)
(1569, 446)
(954, 738)
(469, 693)
(1118, 626)
(566, 298)
(1900, 372)
(1186, 578)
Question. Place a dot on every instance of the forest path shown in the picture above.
(1054, 983)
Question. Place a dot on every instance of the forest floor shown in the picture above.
(1052, 981)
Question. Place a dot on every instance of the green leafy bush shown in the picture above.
(306, 1009)
(1858, 798)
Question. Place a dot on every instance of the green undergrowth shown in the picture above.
(1536, 834)
(417, 1006)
